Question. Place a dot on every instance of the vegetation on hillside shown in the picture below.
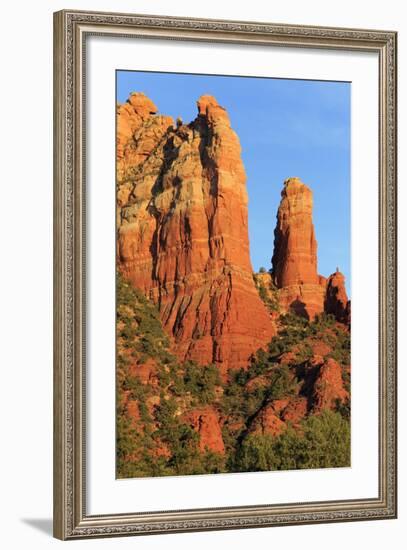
(156, 442)
(323, 441)
(155, 392)
(268, 292)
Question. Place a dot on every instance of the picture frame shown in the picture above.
(72, 29)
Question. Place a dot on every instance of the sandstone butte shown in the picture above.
(182, 223)
(294, 262)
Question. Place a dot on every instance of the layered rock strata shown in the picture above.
(183, 230)
(294, 261)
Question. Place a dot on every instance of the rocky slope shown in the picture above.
(181, 418)
(183, 230)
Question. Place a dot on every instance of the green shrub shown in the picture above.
(322, 442)
(201, 381)
(282, 383)
(268, 294)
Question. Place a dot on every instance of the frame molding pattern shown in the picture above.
(70, 519)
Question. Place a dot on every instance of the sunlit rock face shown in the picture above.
(183, 230)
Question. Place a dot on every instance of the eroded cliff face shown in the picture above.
(182, 418)
(183, 230)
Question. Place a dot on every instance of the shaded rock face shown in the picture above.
(183, 230)
(205, 422)
(294, 260)
(336, 300)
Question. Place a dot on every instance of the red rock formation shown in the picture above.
(146, 372)
(183, 230)
(280, 404)
(131, 116)
(161, 449)
(319, 348)
(295, 411)
(328, 386)
(267, 422)
(295, 247)
(336, 300)
(205, 422)
(133, 411)
(294, 260)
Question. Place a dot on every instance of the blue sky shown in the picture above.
(286, 128)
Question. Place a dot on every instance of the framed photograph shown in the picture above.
(224, 191)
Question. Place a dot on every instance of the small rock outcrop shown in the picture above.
(329, 387)
(267, 422)
(133, 411)
(205, 422)
(336, 300)
(295, 411)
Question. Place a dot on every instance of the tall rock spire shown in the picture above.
(295, 247)
(294, 261)
(183, 231)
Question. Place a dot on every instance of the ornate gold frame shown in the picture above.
(70, 31)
